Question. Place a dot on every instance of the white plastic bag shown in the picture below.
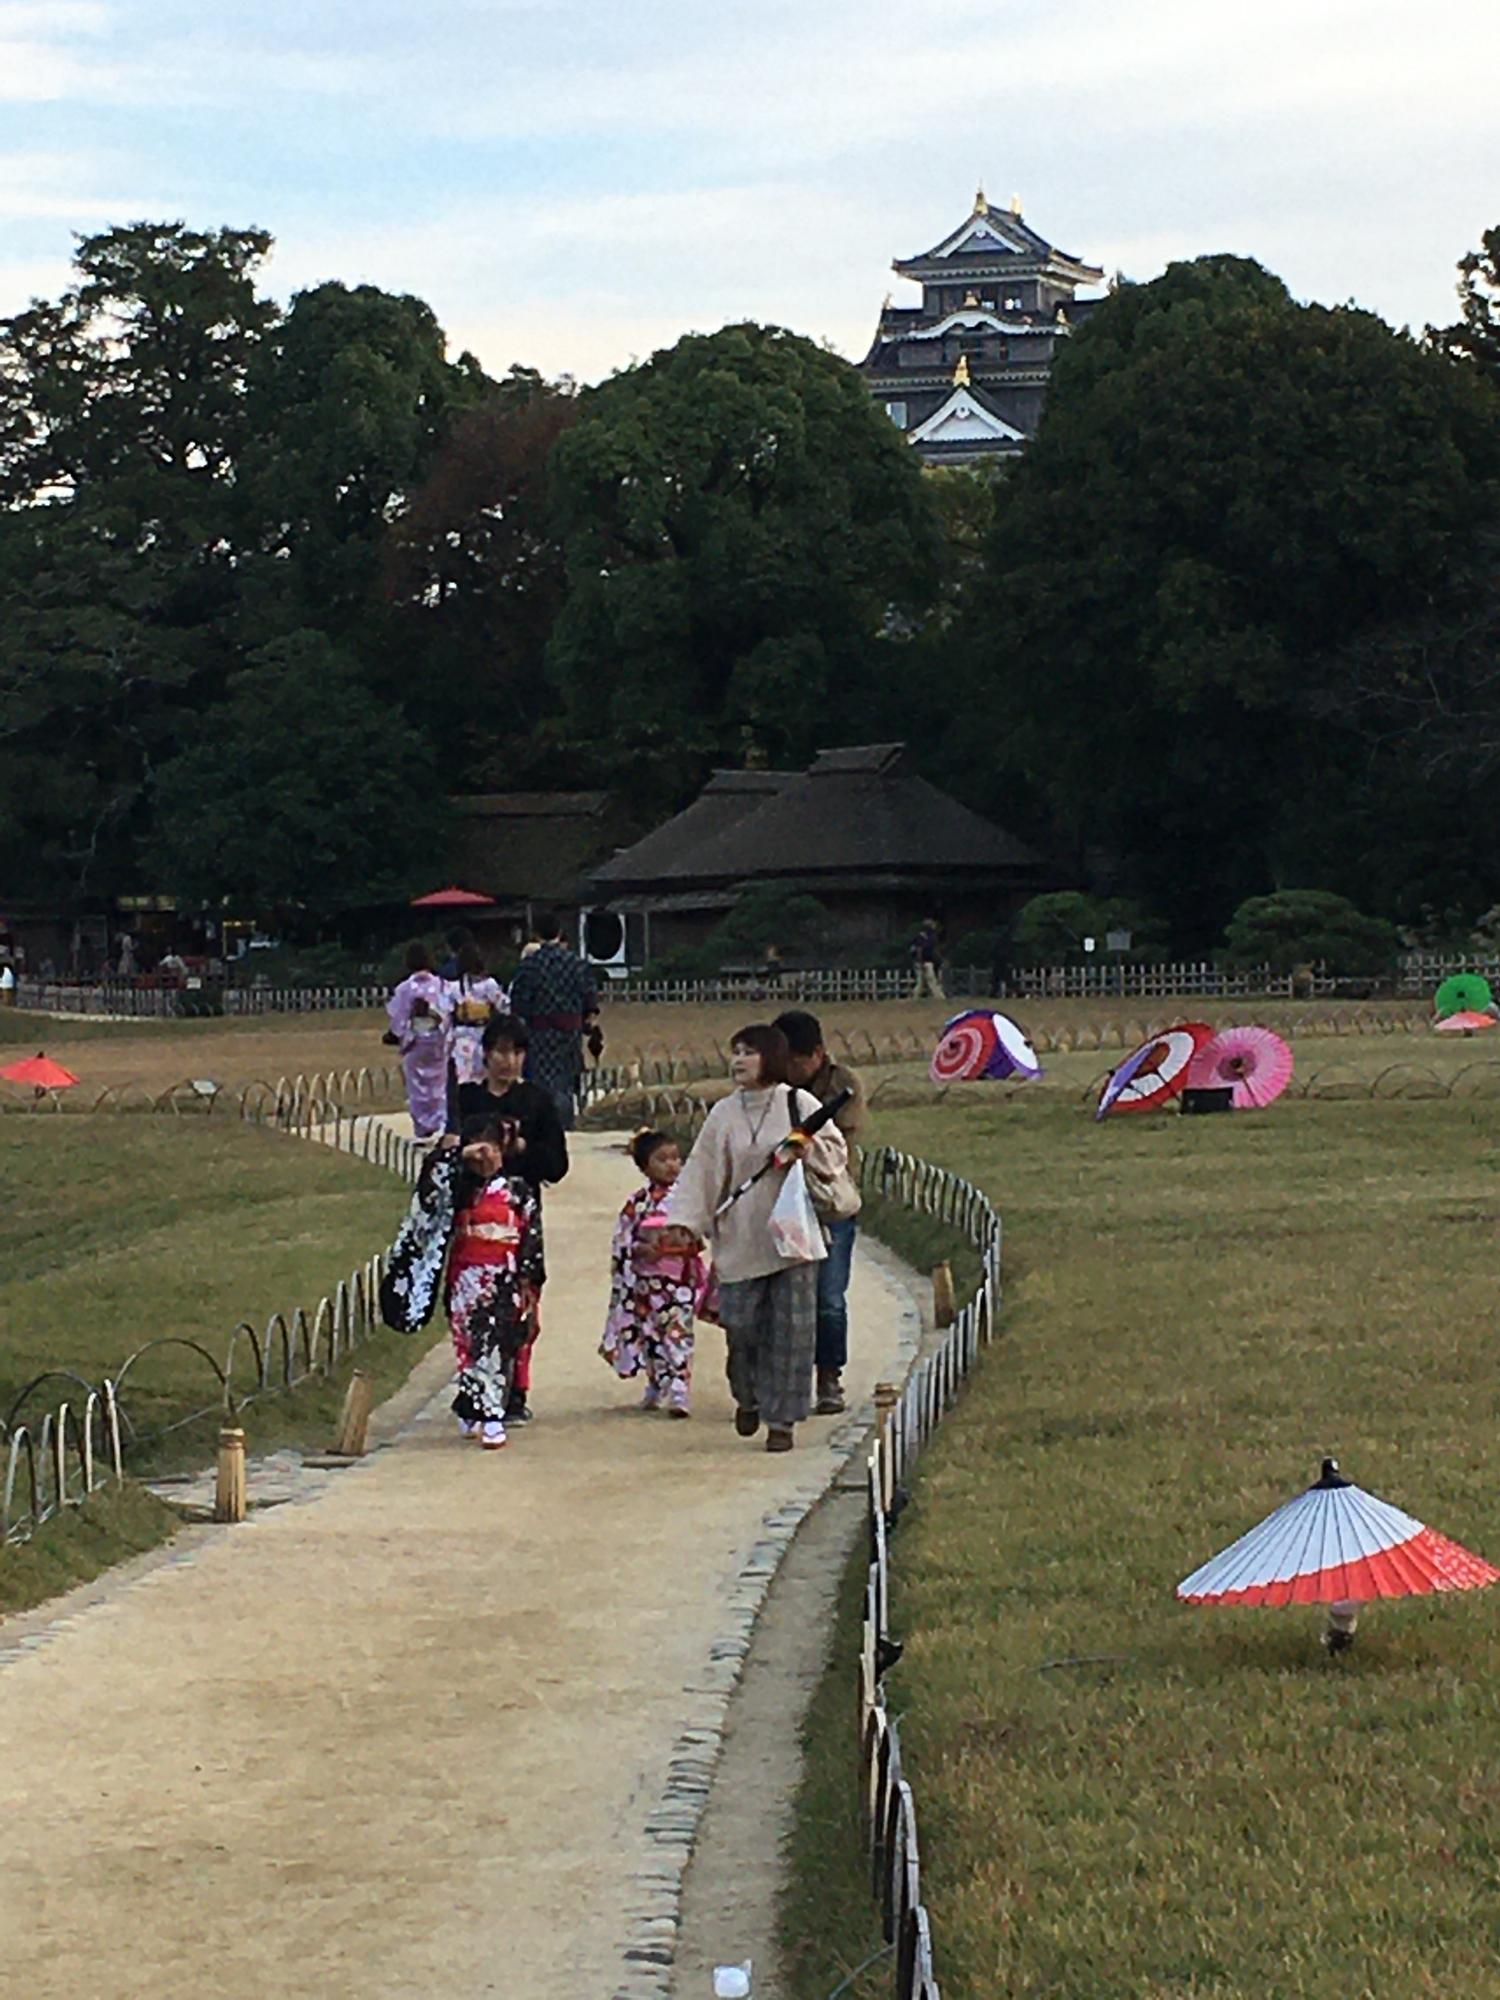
(796, 1232)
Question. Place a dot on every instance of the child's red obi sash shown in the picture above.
(488, 1231)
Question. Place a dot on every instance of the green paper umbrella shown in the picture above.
(1462, 993)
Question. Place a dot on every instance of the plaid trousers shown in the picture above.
(772, 1329)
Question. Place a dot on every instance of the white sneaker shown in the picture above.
(494, 1435)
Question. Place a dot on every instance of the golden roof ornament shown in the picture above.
(971, 298)
(961, 372)
(981, 206)
(1015, 204)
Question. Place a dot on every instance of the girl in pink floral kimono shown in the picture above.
(654, 1295)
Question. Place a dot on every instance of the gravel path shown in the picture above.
(443, 1729)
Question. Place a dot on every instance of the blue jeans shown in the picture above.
(833, 1288)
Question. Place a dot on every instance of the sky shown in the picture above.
(574, 183)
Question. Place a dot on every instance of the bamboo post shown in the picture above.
(354, 1418)
(229, 1498)
(886, 1397)
(944, 1311)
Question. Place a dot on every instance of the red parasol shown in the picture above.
(1465, 1023)
(449, 899)
(1336, 1544)
(1255, 1064)
(979, 1043)
(1155, 1072)
(40, 1070)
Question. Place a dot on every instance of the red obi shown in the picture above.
(488, 1231)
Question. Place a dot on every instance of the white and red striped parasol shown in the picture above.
(1335, 1544)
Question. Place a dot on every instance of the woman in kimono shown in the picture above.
(653, 1294)
(418, 1012)
(474, 999)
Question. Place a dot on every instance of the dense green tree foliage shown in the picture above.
(301, 791)
(274, 581)
(1229, 494)
(740, 528)
(1308, 927)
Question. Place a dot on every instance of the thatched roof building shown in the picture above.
(879, 845)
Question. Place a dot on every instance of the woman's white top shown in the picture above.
(739, 1135)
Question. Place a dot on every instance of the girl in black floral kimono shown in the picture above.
(495, 1275)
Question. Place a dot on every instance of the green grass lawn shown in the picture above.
(1196, 1310)
(115, 1231)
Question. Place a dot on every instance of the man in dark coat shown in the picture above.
(553, 993)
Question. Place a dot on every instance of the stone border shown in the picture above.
(649, 1949)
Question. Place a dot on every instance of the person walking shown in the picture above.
(927, 953)
(534, 1147)
(768, 1303)
(654, 1297)
(496, 1271)
(473, 1000)
(811, 1068)
(553, 993)
(418, 1015)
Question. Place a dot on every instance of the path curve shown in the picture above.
(446, 1728)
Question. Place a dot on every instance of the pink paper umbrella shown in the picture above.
(1465, 1023)
(1254, 1063)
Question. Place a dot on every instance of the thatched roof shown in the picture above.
(858, 815)
(727, 798)
(531, 847)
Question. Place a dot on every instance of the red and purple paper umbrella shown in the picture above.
(1255, 1064)
(982, 1044)
(1335, 1544)
(1155, 1072)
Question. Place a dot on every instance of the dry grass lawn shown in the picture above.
(1122, 1797)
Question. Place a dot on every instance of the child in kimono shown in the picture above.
(495, 1275)
(654, 1295)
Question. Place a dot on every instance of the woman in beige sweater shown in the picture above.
(769, 1306)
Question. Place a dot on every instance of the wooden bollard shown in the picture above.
(887, 1395)
(229, 1496)
(354, 1418)
(944, 1310)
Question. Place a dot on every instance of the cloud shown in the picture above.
(575, 182)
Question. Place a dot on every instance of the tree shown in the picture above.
(475, 576)
(1308, 927)
(741, 525)
(347, 407)
(1477, 334)
(1051, 929)
(1227, 490)
(137, 373)
(302, 794)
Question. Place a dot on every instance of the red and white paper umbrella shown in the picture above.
(1335, 1544)
(1465, 1023)
(1154, 1072)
